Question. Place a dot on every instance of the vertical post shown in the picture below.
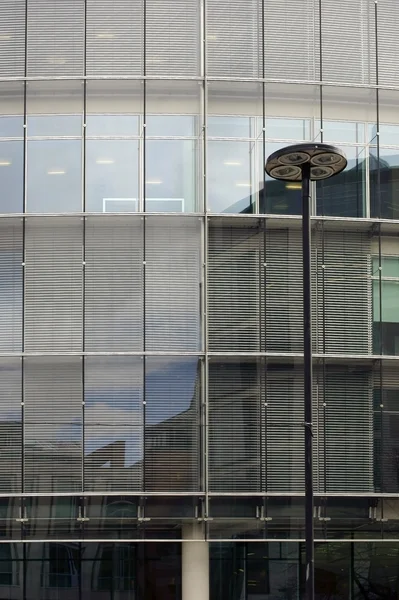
(307, 370)
(195, 563)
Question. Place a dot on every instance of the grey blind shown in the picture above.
(172, 37)
(348, 41)
(114, 284)
(172, 283)
(12, 38)
(113, 423)
(343, 292)
(115, 37)
(234, 38)
(172, 426)
(347, 431)
(388, 42)
(282, 292)
(234, 285)
(386, 429)
(291, 39)
(55, 37)
(53, 284)
(233, 427)
(10, 427)
(53, 424)
(283, 464)
(11, 280)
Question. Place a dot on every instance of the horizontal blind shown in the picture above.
(343, 293)
(53, 453)
(172, 425)
(283, 315)
(55, 37)
(53, 284)
(115, 37)
(12, 38)
(113, 423)
(233, 287)
(233, 427)
(348, 41)
(11, 426)
(172, 37)
(291, 39)
(283, 464)
(11, 282)
(234, 38)
(114, 284)
(386, 429)
(172, 283)
(388, 42)
(348, 430)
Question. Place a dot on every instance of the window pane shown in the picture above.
(232, 127)
(54, 176)
(342, 131)
(171, 176)
(11, 177)
(390, 301)
(229, 176)
(112, 176)
(11, 109)
(288, 129)
(384, 183)
(170, 125)
(54, 108)
(113, 107)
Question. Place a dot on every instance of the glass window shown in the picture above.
(54, 176)
(231, 183)
(235, 109)
(230, 127)
(342, 131)
(54, 108)
(345, 194)
(113, 108)
(11, 176)
(345, 110)
(384, 183)
(11, 109)
(171, 176)
(112, 176)
(287, 129)
(170, 125)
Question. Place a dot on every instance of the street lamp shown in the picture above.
(306, 163)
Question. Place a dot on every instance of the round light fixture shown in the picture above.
(323, 162)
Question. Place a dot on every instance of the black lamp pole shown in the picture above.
(307, 162)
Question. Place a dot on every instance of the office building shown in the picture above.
(151, 354)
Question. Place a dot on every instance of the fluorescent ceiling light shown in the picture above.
(211, 37)
(154, 182)
(56, 61)
(105, 161)
(5, 36)
(232, 163)
(293, 186)
(56, 172)
(106, 35)
(5, 163)
(243, 184)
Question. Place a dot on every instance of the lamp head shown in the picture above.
(324, 161)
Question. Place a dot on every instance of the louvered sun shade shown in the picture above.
(53, 284)
(114, 284)
(53, 424)
(343, 292)
(172, 37)
(55, 37)
(348, 41)
(234, 38)
(234, 255)
(291, 39)
(233, 426)
(172, 283)
(386, 428)
(388, 42)
(10, 427)
(172, 424)
(12, 38)
(11, 281)
(113, 423)
(115, 37)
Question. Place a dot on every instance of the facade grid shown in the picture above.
(151, 290)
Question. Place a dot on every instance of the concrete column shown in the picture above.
(195, 563)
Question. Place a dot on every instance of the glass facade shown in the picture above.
(151, 350)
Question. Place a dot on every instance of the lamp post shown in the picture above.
(306, 163)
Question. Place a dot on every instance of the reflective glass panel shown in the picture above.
(113, 108)
(54, 108)
(231, 182)
(112, 176)
(54, 176)
(287, 129)
(11, 176)
(11, 109)
(171, 174)
(235, 109)
(170, 125)
(384, 183)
